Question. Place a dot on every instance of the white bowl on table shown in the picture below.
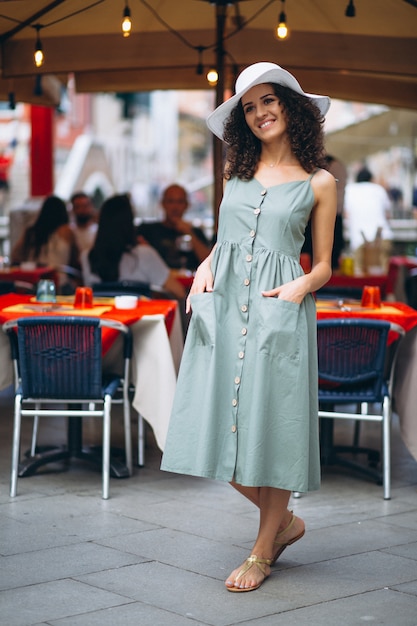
(125, 302)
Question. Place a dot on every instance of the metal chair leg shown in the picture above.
(128, 433)
(16, 445)
(141, 440)
(35, 431)
(386, 447)
(106, 447)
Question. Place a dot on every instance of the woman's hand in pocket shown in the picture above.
(203, 281)
(293, 291)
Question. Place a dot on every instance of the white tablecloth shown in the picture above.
(154, 368)
(405, 390)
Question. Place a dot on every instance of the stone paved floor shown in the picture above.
(157, 552)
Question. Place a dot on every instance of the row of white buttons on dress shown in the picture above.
(244, 308)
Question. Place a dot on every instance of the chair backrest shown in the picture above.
(6, 286)
(351, 357)
(123, 287)
(410, 287)
(60, 357)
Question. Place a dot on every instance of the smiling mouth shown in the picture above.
(266, 124)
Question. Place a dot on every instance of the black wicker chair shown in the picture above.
(355, 367)
(58, 362)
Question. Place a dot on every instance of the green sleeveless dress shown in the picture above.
(246, 401)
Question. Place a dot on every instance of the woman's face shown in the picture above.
(264, 113)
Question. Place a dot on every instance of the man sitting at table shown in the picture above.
(180, 244)
(367, 207)
(84, 220)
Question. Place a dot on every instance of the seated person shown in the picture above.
(49, 241)
(116, 254)
(367, 209)
(179, 243)
(84, 222)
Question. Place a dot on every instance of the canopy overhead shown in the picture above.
(378, 133)
(369, 58)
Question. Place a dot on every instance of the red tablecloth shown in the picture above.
(29, 276)
(396, 312)
(103, 308)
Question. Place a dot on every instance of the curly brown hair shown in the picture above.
(304, 128)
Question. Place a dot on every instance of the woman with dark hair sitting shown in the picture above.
(116, 254)
(49, 240)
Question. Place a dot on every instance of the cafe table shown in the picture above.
(157, 348)
(32, 276)
(405, 370)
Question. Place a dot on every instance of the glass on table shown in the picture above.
(46, 291)
(4, 262)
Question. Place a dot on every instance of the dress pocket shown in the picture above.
(203, 320)
(278, 328)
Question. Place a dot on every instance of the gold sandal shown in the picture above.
(252, 560)
(283, 545)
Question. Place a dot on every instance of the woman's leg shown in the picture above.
(274, 517)
(253, 495)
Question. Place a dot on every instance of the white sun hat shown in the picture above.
(257, 74)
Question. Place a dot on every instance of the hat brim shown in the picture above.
(216, 119)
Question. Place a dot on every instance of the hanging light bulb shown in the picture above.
(127, 22)
(38, 56)
(282, 31)
(212, 77)
(350, 9)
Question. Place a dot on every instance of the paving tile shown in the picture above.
(410, 588)
(191, 595)
(408, 550)
(61, 562)
(186, 516)
(345, 576)
(376, 607)
(182, 550)
(19, 536)
(347, 539)
(133, 614)
(54, 600)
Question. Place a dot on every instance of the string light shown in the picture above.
(38, 56)
(282, 30)
(350, 9)
(212, 77)
(127, 22)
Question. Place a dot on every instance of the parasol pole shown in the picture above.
(221, 11)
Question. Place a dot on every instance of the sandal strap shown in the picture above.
(253, 560)
(278, 535)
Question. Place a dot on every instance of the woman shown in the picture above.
(116, 254)
(50, 240)
(246, 404)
